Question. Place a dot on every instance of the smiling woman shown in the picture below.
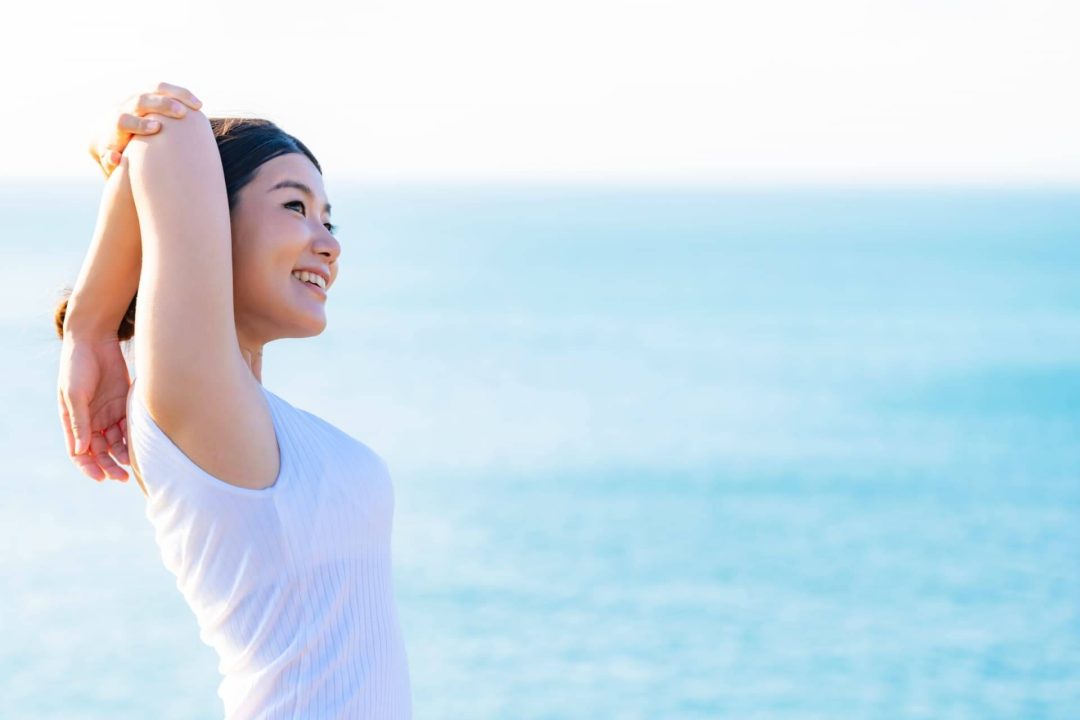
(237, 250)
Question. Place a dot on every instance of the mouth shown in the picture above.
(310, 286)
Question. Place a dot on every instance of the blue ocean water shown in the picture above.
(657, 453)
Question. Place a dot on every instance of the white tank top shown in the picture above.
(291, 585)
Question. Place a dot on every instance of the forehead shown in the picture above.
(293, 166)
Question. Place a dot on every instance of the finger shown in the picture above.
(110, 158)
(120, 452)
(136, 125)
(154, 102)
(107, 164)
(80, 423)
(124, 433)
(101, 161)
(182, 94)
(114, 440)
(108, 161)
(99, 447)
(65, 421)
(111, 155)
(88, 466)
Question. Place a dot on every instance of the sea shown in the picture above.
(776, 453)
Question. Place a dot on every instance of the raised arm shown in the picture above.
(92, 382)
(191, 374)
(110, 273)
(186, 347)
(93, 378)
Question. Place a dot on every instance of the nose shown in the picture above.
(327, 245)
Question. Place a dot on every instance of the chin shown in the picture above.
(315, 330)
(310, 327)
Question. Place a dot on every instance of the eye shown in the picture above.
(331, 227)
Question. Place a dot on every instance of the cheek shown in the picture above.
(263, 260)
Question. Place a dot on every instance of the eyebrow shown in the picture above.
(297, 185)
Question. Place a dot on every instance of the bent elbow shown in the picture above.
(181, 159)
(178, 138)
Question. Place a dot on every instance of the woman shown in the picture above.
(276, 524)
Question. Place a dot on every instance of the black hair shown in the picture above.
(244, 145)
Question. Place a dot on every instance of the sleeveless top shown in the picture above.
(292, 584)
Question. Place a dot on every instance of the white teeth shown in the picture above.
(305, 276)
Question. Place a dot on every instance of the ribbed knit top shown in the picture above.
(291, 585)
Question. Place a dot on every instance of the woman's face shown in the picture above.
(279, 226)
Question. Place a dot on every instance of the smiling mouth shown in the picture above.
(311, 285)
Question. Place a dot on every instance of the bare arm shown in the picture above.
(179, 190)
(110, 273)
(93, 380)
(192, 376)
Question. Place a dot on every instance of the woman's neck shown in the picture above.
(253, 358)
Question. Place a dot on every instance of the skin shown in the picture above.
(190, 357)
(93, 380)
(273, 233)
(169, 100)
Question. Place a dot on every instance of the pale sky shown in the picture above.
(756, 91)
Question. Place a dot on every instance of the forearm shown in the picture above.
(110, 273)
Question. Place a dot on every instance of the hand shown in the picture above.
(92, 393)
(168, 100)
